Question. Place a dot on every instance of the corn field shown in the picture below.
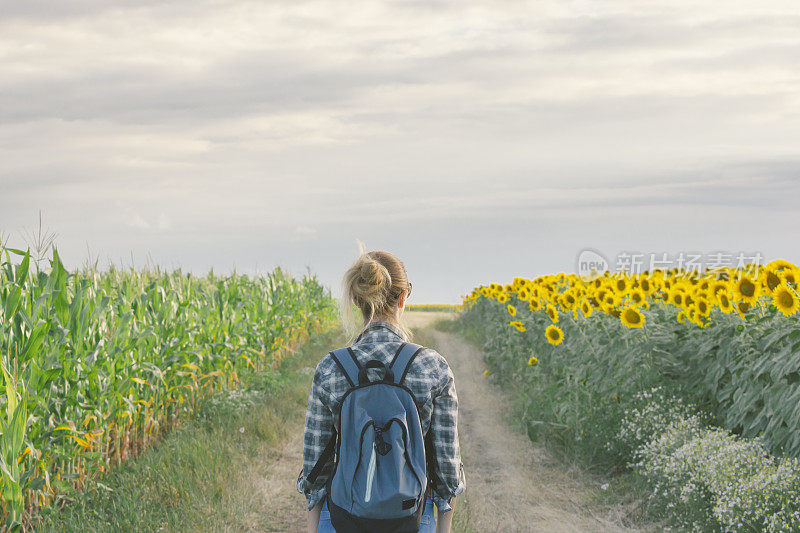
(97, 364)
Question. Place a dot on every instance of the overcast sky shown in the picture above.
(478, 141)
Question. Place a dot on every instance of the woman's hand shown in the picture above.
(313, 517)
(444, 521)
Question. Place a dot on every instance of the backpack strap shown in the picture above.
(402, 360)
(326, 454)
(348, 363)
(430, 463)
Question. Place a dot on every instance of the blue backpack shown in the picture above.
(380, 477)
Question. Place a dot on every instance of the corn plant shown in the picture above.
(14, 425)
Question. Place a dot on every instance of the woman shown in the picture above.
(378, 284)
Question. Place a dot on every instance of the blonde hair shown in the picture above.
(374, 282)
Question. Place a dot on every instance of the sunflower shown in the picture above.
(503, 298)
(601, 294)
(552, 312)
(645, 285)
(534, 304)
(724, 302)
(681, 318)
(611, 300)
(586, 308)
(785, 300)
(742, 308)
(532, 361)
(637, 296)
(789, 275)
(631, 317)
(621, 285)
(676, 297)
(770, 279)
(703, 307)
(512, 310)
(779, 264)
(569, 300)
(747, 289)
(696, 317)
(554, 335)
(519, 325)
(717, 287)
(606, 307)
(688, 300)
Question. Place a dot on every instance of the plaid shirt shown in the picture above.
(430, 380)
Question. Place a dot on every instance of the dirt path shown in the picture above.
(512, 485)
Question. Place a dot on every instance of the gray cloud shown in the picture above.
(478, 140)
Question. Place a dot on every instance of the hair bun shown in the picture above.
(374, 283)
(373, 273)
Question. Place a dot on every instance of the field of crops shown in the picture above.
(691, 379)
(432, 307)
(97, 364)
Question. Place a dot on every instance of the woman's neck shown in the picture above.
(387, 320)
(393, 320)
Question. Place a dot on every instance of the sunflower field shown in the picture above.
(581, 354)
(97, 364)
